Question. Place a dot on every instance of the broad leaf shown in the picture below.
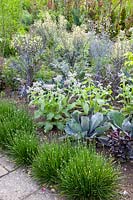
(57, 116)
(85, 123)
(71, 106)
(48, 126)
(100, 101)
(50, 116)
(102, 129)
(73, 127)
(40, 124)
(116, 118)
(60, 125)
(76, 116)
(96, 120)
(126, 125)
(37, 114)
(86, 108)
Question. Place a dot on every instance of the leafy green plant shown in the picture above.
(90, 126)
(27, 19)
(10, 22)
(120, 122)
(56, 101)
(9, 77)
(129, 63)
(54, 107)
(51, 158)
(125, 97)
(89, 176)
(26, 4)
(45, 74)
(24, 148)
(89, 96)
(116, 118)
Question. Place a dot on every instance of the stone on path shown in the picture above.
(4, 161)
(3, 171)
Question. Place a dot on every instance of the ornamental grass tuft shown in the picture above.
(12, 122)
(50, 160)
(89, 176)
(24, 148)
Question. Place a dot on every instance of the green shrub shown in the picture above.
(125, 96)
(45, 73)
(89, 176)
(50, 160)
(10, 18)
(55, 107)
(24, 148)
(12, 122)
(27, 19)
(9, 76)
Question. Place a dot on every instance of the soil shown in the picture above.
(127, 180)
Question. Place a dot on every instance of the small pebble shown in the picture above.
(29, 172)
(53, 190)
(125, 193)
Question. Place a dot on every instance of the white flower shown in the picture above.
(48, 86)
(58, 78)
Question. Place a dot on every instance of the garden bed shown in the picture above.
(126, 168)
(67, 79)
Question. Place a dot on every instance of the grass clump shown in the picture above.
(50, 160)
(12, 122)
(24, 148)
(89, 176)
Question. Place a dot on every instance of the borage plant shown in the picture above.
(54, 107)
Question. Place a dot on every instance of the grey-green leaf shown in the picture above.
(85, 123)
(73, 127)
(126, 125)
(76, 116)
(96, 120)
(102, 129)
